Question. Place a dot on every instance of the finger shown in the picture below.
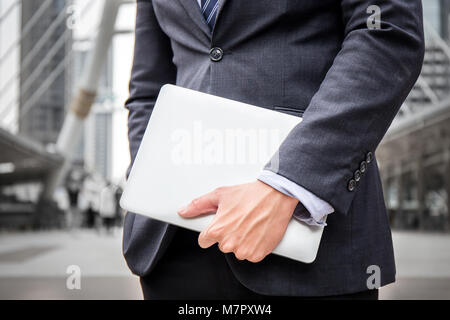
(205, 241)
(207, 203)
(257, 257)
(226, 246)
(240, 255)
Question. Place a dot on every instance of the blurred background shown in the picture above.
(64, 71)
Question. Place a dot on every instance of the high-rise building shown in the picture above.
(98, 142)
(436, 12)
(41, 115)
(414, 157)
(95, 150)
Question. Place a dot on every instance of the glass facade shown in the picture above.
(436, 13)
(42, 114)
(432, 13)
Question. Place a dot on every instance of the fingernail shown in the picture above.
(182, 210)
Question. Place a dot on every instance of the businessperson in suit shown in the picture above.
(325, 60)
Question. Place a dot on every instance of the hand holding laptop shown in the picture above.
(196, 143)
(250, 219)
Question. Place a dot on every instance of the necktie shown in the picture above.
(209, 10)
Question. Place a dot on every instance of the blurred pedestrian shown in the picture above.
(62, 200)
(119, 212)
(73, 186)
(108, 207)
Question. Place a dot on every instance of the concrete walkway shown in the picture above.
(423, 267)
(34, 266)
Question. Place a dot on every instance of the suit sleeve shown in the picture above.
(362, 92)
(152, 68)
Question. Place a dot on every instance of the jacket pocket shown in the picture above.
(289, 110)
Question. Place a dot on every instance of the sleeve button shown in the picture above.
(351, 185)
(369, 157)
(357, 175)
(363, 167)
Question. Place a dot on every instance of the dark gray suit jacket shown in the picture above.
(310, 57)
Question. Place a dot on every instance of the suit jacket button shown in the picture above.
(363, 167)
(357, 175)
(216, 54)
(352, 185)
(369, 157)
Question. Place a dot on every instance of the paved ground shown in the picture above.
(34, 266)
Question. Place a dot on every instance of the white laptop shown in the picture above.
(196, 142)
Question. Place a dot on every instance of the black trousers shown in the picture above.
(187, 272)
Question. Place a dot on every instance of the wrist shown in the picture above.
(280, 197)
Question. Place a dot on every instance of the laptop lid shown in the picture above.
(196, 142)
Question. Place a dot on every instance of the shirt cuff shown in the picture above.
(312, 211)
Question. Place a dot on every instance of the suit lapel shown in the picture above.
(193, 10)
(221, 5)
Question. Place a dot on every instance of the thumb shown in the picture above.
(207, 203)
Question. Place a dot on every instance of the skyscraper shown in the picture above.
(95, 151)
(436, 13)
(98, 142)
(43, 50)
(414, 157)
